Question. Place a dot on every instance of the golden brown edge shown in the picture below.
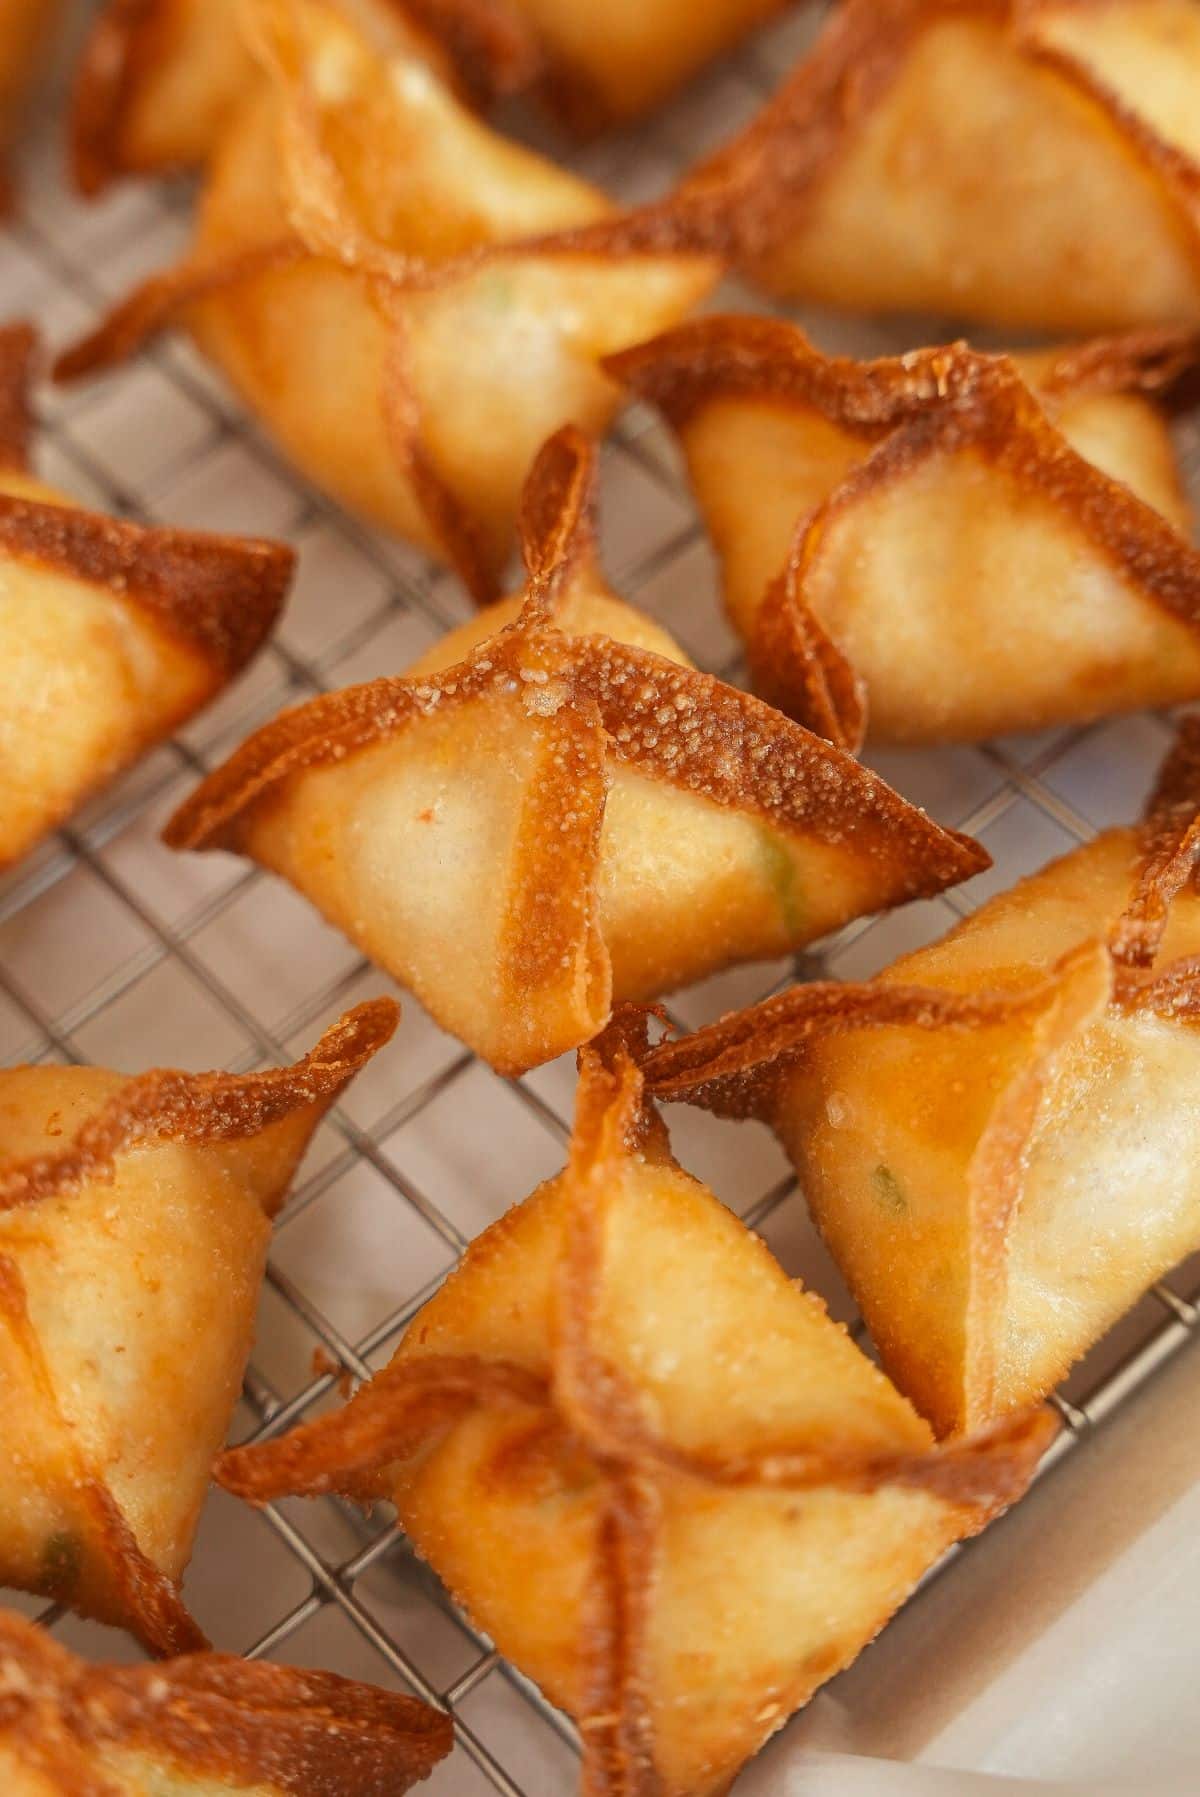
(413, 1401)
(313, 1734)
(748, 757)
(1178, 172)
(220, 595)
(910, 408)
(170, 1106)
(774, 168)
(19, 347)
(323, 228)
(123, 44)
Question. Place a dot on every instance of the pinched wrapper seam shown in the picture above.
(593, 703)
(323, 228)
(593, 1407)
(165, 1106)
(489, 50)
(311, 1734)
(776, 167)
(911, 409)
(218, 596)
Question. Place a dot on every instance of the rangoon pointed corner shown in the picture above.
(112, 635)
(201, 1725)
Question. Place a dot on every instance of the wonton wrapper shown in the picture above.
(200, 1726)
(606, 64)
(26, 27)
(411, 303)
(160, 80)
(111, 635)
(655, 1473)
(998, 1136)
(553, 810)
(134, 1221)
(1028, 162)
(945, 546)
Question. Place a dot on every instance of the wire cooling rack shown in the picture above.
(114, 950)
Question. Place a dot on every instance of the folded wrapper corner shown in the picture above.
(998, 1136)
(410, 303)
(159, 80)
(877, 521)
(650, 1467)
(554, 811)
(201, 1726)
(1029, 163)
(135, 1215)
(111, 635)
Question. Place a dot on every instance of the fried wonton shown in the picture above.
(1032, 163)
(160, 80)
(659, 1478)
(135, 1215)
(553, 810)
(877, 522)
(602, 66)
(111, 635)
(200, 1726)
(998, 1136)
(26, 27)
(411, 303)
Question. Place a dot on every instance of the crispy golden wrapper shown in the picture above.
(554, 810)
(601, 66)
(657, 1475)
(1032, 163)
(111, 635)
(411, 303)
(877, 522)
(26, 29)
(134, 1221)
(199, 1726)
(160, 80)
(999, 1135)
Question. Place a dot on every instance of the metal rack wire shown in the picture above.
(112, 950)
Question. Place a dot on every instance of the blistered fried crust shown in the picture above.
(909, 409)
(611, 701)
(197, 1108)
(594, 1407)
(153, 1108)
(218, 595)
(311, 1734)
(18, 350)
(736, 1066)
(775, 168)
(488, 49)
